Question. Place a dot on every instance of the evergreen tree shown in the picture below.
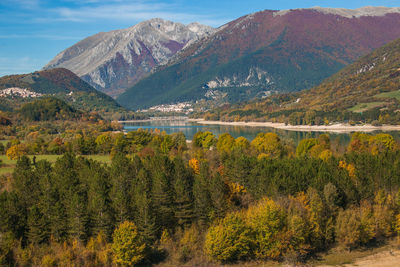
(162, 194)
(202, 199)
(122, 181)
(183, 197)
(145, 219)
(50, 204)
(99, 203)
(38, 231)
(219, 196)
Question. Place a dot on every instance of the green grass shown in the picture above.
(393, 94)
(4, 142)
(365, 106)
(8, 165)
(6, 170)
(100, 158)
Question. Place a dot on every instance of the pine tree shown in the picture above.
(50, 203)
(122, 176)
(219, 196)
(183, 197)
(99, 203)
(202, 199)
(78, 217)
(161, 173)
(38, 231)
(145, 219)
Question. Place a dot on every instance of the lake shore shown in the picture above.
(337, 128)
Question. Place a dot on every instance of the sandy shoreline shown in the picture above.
(340, 128)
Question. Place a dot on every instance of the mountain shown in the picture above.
(16, 90)
(366, 91)
(267, 52)
(113, 61)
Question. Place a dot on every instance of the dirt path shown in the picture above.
(382, 259)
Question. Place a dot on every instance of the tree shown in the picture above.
(99, 202)
(305, 146)
(145, 218)
(183, 197)
(225, 143)
(37, 225)
(269, 144)
(103, 142)
(122, 176)
(267, 220)
(230, 240)
(204, 139)
(219, 193)
(16, 151)
(241, 143)
(162, 192)
(202, 198)
(128, 247)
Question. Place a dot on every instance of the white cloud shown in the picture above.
(126, 11)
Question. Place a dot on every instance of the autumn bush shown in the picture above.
(267, 221)
(128, 247)
(230, 240)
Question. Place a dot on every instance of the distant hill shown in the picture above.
(367, 91)
(267, 52)
(113, 61)
(48, 109)
(16, 90)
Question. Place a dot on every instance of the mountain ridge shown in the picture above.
(112, 61)
(296, 50)
(367, 91)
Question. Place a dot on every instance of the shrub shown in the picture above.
(267, 220)
(229, 240)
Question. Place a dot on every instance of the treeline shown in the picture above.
(267, 112)
(161, 199)
(48, 109)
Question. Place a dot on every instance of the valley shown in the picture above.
(270, 138)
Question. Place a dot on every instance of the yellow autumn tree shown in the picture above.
(242, 143)
(16, 151)
(267, 221)
(229, 240)
(194, 165)
(128, 247)
(225, 143)
(269, 144)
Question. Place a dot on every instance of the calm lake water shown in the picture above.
(189, 129)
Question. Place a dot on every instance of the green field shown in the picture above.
(8, 165)
(4, 142)
(365, 106)
(393, 94)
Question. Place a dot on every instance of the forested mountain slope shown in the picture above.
(266, 52)
(367, 90)
(61, 83)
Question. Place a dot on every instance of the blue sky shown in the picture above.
(32, 32)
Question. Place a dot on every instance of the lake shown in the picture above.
(189, 129)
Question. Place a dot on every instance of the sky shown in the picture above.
(32, 32)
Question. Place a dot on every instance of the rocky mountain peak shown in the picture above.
(112, 61)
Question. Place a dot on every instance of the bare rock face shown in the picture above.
(113, 61)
